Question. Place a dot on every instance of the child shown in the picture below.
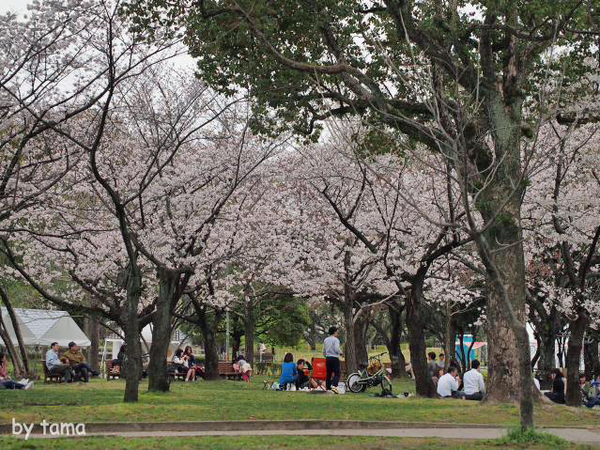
(242, 366)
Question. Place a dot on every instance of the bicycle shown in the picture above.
(373, 374)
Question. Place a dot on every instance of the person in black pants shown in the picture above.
(558, 388)
(331, 350)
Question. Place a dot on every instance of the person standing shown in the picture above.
(55, 366)
(432, 366)
(331, 350)
(474, 386)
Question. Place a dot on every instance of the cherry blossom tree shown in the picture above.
(564, 210)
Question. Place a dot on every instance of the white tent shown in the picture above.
(43, 327)
(178, 339)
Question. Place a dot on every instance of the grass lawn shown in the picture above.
(101, 401)
(275, 442)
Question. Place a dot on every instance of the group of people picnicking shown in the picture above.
(590, 391)
(472, 385)
(448, 382)
(71, 365)
(296, 375)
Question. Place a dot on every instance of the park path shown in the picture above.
(575, 435)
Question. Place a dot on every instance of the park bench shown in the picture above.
(51, 377)
(173, 373)
(226, 371)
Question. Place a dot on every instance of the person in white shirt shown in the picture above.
(331, 351)
(474, 387)
(448, 384)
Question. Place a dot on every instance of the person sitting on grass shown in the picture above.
(182, 365)
(305, 381)
(587, 392)
(436, 378)
(448, 384)
(6, 382)
(55, 366)
(474, 386)
(558, 388)
(289, 371)
(76, 360)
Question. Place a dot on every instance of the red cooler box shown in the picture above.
(319, 368)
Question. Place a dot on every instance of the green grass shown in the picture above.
(532, 437)
(267, 443)
(101, 401)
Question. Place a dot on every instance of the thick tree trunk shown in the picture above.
(577, 331)
(208, 326)
(133, 364)
(350, 345)
(416, 340)
(504, 237)
(510, 375)
(133, 368)
(360, 337)
(168, 284)
(249, 329)
(393, 344)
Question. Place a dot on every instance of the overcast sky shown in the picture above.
(17, 6)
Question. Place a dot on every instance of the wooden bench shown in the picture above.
(51, 377)
(226, 371)
(173, 373)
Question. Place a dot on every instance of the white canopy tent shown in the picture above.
(43, 327)
(178, 339)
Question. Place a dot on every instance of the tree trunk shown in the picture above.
(168, 284)
(209, 327)
(350, 345)
(416, 340)
(450, 347)
(504, 238)
(577, 331)
(25, 369)
(94, 343)
(547, 333)
(249, 328)
(10, 348)
(396, 356)
(463, 356)
(360, 333)
(133, 352)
